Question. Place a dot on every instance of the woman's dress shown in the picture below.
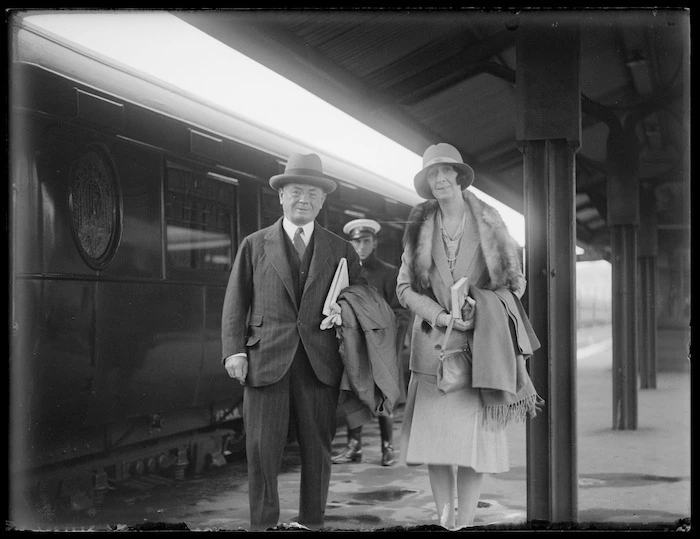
(448, 429)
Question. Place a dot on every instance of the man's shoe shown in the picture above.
(352, 453)
(388, 457)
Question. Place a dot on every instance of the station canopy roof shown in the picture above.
(426, 76)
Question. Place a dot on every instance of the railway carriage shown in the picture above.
(128, 201)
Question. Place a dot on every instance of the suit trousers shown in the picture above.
(310, 405)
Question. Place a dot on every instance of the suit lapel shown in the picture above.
(321, 255)
(276, 254)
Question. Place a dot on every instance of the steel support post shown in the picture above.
(623, 220)
(552, 470)
(624, 310)
(648, 249)
(647, 322)
(548, 132)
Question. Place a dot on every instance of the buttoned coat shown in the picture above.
(488, 257)
(261, 316)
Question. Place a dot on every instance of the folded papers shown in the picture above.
(331, 310)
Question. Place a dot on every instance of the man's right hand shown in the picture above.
(237, 367)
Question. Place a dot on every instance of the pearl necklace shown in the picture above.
(452, 244)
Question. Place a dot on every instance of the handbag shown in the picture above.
(454, 370)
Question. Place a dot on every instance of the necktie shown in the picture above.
(299, 244)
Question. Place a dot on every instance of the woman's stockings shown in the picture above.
(468, 492)
(442, 483)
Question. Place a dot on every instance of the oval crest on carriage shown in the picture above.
(95, 207)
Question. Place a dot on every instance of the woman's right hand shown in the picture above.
(463, 325)
(443, 319)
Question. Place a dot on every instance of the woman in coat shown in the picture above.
(451, 235)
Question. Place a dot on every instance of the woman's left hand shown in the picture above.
(468, 315)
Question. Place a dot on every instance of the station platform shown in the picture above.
(627, 479)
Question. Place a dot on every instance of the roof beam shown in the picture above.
(451, 70)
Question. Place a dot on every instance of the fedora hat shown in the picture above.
(359, 228)
(442, 153)
(306, 169)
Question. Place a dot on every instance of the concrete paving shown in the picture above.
(630, 480)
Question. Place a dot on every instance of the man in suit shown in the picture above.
(362, 234)
(274, 346)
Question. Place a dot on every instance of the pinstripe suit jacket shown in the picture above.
(260, 314)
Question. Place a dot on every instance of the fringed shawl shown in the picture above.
(503, 340)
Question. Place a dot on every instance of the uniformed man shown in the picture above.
(362, 234)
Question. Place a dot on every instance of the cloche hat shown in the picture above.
(306, 169)
(359, 228)
(442, 153)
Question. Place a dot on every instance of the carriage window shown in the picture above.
(271, 210)
(390, 244)
(200, 217)
(336, 219)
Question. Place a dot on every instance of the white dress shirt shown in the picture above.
(291, 229)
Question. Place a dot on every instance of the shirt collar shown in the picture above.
(291, 229)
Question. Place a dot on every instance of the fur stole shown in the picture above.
(501, 252)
